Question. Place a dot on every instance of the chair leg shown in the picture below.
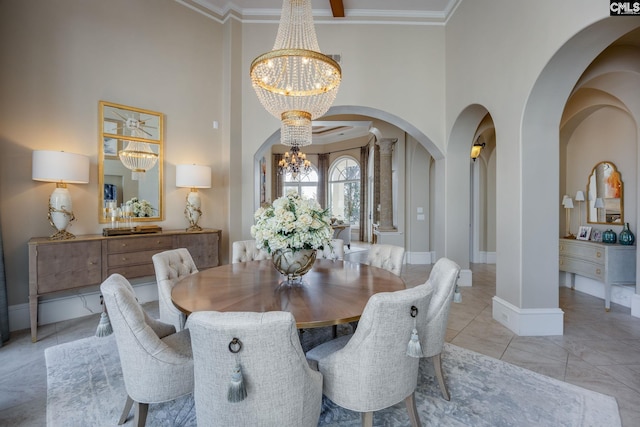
(437, 367)
(410, 401)
(140, 417)
(125, 412)
(367, 419)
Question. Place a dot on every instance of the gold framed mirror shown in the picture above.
(130, 163)
(605, 192)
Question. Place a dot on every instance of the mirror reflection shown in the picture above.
(605, 190)
(130, 163)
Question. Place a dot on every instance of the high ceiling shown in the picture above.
(390, 11)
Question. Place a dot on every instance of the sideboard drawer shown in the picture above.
(63, 267)
(141, 270)
(129, 244)
(130, 258)
(587, 252)
(203, 248)
(582, 267)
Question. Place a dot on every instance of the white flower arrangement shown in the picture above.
(140, 208)
(292, 222)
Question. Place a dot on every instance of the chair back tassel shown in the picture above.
(237, 390)
(413, 348)
(104, 326)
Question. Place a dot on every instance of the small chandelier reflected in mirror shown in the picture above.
(294, 163)
(295, 82)
(137, 155)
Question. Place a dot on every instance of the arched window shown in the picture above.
(344, 190)
(305, 184)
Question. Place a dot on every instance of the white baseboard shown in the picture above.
(418, 257)
(465, 278)
(528, 321)
(635, 305)
(71, 307)
(482, 257)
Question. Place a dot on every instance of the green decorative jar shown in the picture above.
(626, 237)
(608, 236)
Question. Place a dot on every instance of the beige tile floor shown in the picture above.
(599, 351)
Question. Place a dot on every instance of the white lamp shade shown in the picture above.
(59, 166)
(599, 203)
(193, 176)
(580, 196)
(568, 203)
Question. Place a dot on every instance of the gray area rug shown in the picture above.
(85, 388)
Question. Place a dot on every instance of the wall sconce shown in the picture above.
(193, 177)
(476, 148)
(580, 199)
(61, 168)
(567, 202)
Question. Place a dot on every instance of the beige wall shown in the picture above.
(525, 64)
(396, 69)
(58, 60)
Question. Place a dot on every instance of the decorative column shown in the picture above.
(386, 189)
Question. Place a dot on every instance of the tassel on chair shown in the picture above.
(457, 296)
(237, 390)
(104, 327)
(413, 348)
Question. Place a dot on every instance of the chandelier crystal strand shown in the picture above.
(295, 82)
(138, 157)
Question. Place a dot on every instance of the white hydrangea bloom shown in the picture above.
(292, 222)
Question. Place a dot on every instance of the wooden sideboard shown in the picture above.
(612, 264)
(61, 265)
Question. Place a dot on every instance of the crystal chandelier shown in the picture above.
(295, 163)
(137, 156)
(296, 82)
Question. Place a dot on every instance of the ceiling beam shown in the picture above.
(337, 8)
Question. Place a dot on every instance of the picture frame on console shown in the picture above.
(596, 236)
(584, 233)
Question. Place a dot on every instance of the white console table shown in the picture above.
(612, 264)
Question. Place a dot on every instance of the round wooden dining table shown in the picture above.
(331, 293)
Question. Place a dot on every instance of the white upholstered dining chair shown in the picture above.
(443, 278)
(157, 364)
(370, 370)
(171, 266)
(281, 389)
(334, 250)
(389, 257)
(246, 250)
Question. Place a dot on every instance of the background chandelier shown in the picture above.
(137, 155)
(295, 163)
(296, 82)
